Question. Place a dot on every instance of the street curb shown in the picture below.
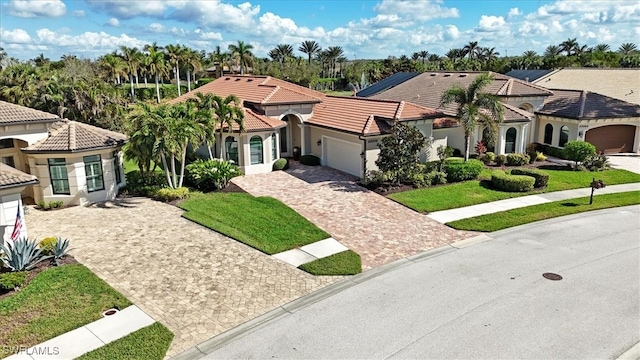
(632, 354)
(208, 346)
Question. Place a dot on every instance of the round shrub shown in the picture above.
(578, 151)
(461, 171)
(169, 194)
(47, 244)
(501, 160)
(541, 178)
(436, 177)
(517, 159)
(512, 183)
(310, 160)
(281, 164)
(489, 157)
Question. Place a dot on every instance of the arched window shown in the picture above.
(255, 146)
(510, 140)
(274, 147)
(548, 133)
(231, 147)
(564, 135)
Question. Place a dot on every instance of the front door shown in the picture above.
(285, 140)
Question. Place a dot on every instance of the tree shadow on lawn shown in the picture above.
(570, 204)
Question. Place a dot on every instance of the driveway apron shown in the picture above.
(193, 280)
(378, 229)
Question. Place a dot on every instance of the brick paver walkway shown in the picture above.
(195, 281)
(375, 227)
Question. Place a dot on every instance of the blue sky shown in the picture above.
(365, 29)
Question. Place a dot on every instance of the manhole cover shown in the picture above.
(552, 276)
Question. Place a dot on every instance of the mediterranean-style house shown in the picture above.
(75, 163)
(282, 118)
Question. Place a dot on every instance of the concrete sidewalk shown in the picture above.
(446, 216)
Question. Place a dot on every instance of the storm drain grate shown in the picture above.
(552, 276)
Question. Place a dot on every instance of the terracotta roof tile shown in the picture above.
(10, 177)
(258, 122)
(576, 104)
(16, 114)
(72, 136)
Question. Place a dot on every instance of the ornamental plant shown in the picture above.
(399, 152)
(578, 150)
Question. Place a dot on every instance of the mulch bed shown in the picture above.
(40, 267)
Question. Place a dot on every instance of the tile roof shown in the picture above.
(576, 104)
(254, 121)
(11, 177)
(365, 116)
(427, 88)
(73, 136)
(16, 114)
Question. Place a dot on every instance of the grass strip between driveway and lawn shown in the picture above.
(263, 223)
(343, 263)
(56, 301)
(510, 218)
(474, 192)
(151, 342)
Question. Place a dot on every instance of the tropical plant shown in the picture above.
(570, 46)
(219, 59)
(209, 175)
(627, 48)
(602, 48)
(175, 54)
(59, 250)
(399, 152)
(22, 254)
(443, 152)
(578, 150)
(228, 114)
(241, 52)
(47, 244)
(475, 108)
(132, 58)
(193, 63)
(471, 49)
(310, 48)
(157, 66)
(12, 280)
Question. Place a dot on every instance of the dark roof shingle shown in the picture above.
(73, 136)
(17, 114)
(576, 104)
(11, 177)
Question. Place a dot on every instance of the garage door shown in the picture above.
(612, 138)
(343, 155)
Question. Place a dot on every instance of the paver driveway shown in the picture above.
(195, 281)
(378, 229)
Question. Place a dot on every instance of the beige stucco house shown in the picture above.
(75, 163)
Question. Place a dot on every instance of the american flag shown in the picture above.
(17, 228)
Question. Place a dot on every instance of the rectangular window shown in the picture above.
(93, 170)
(116, 167)
(6, 143)
(59, 177)
(8, 160)
(274, 147)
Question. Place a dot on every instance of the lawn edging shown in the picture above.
(343, 263)
(150, 342)
(525, 215)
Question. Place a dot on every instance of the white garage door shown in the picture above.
(343, 155)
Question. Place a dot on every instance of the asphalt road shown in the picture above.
(486, 301)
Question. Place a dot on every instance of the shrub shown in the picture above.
(444, 152)
(143, 185)
(42, 205)
(47, 244)
(418, 180)
(513, 183)
(532, 152)
(209, 175)
(21, 255)
(480, 148)
(436, 177)
(541, 178)
(501, 160)
(170, 194)
(540, 156)
(489, 157)
(310, 160)
(461, 171)
(59, 250)
(596, 162)
(517, 159)
(373, 178)
(12, 280)
(281, 164)
(554, 151)
(55, 204)
(578, 151)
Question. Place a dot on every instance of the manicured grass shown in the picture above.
(129, 166)
(529, 214)
(478, 192)
(343, 263)
(151, 342)
(263, 223)
(56, 301)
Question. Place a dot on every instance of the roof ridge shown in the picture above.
(300, 92)
(273, 92)
(399, 110)
(367, 124)
(72, 135)
(583, 102)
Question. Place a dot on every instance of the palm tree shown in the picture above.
(186, 129)
(219, 59)
(423, 54)
(157, 67)
(334, 52)
(114, 65)
(227, 112)
(3, 56)
(142, 141)
(627, 48)
(174, 54)
(569, 45)
(552, 50)
(602, 48)
(310, 48)
(206, 120)
(475, 107)
(489, 54)
(193, 63)
(455, 54)
(471, 49)
(242, 53)
(132, 58)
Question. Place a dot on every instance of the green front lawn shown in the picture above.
(151, 342)
(529, 214)
(56, 301)
(478, 192)
(343, 263)
(263, 223)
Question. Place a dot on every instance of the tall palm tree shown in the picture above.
(475, 107)
(488, 54)
(242, 53)
(455, 54)
(471, 49)
(334, 52)
(423, 54)
(132, 58)
(602, 48)
(552, 50)
(174, 55)
(186, 130)
(227, 112)
(114, 65)
(157, 67)
(141, 145)
(569, 45)
(207, 119)
(415, 56)
(219, 58)
(310, 48)
(627, 48)
(193, 62)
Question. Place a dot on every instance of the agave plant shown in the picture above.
(59, 249)
(21, 255)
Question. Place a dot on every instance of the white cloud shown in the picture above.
(491, 23)
(413, 10)
(513, 12)
(96, 41)
(129, 9)
(531, 28)
(113, 22)
(36, 8)
(601, 35)
(157, 28)
(78, 13)
(208, 35)
(451, 32)
(15, 36)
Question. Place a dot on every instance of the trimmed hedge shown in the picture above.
(460, 171)
(280, 164)
(169, 194)
(541, 178)
(512, 183)
(517, 159)
(310, 160)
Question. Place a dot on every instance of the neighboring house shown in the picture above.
(74, 162)
(519, 98)
(12, 183)
(621, 84)
(612, 125)
(282, 118)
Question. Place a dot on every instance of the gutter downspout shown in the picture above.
(364, 156)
